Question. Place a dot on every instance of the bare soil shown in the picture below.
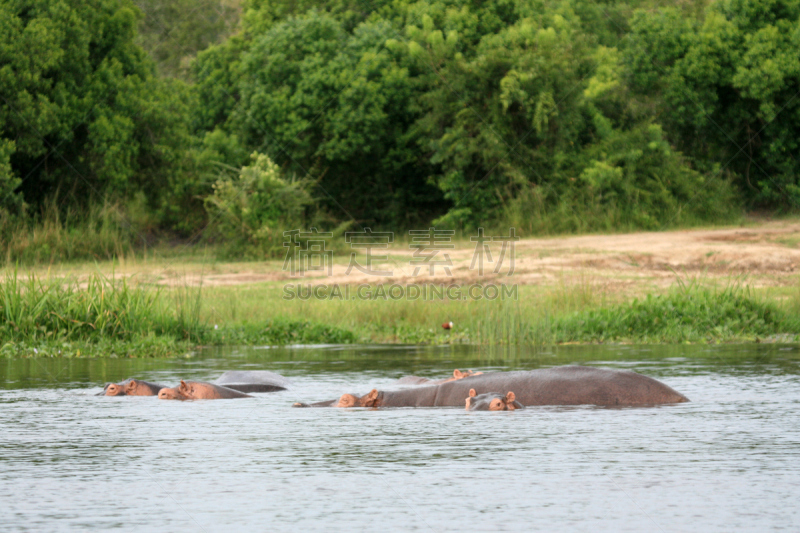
(767, 254)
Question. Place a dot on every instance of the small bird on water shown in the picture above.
(447, 325)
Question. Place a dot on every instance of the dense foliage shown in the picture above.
(567, 115)
(82, 112)
(726, 86)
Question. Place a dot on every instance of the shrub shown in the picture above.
(254, 206)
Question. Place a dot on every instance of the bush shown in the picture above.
(254, 206)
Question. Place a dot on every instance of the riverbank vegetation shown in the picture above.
(107, 317)
(135, 122)
(138, 128)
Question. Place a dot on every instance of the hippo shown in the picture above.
(198, 390)
(131, 387)
(492, 401)
(564, 385)
(416, 380)
(253, 381)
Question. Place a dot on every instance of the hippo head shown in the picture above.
(129, 387)
(492, 401)
(371, 399)
(181, 392)
(458, 374)
(114, 389)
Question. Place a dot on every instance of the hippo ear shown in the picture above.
(370, 399)
(458, 374)
(511, 397)
(183, 386)
(472, 393)
(131, 385)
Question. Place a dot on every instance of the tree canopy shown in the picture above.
(563, 115)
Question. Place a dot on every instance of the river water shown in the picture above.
(727, 461)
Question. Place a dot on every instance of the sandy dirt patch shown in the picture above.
(767, 254)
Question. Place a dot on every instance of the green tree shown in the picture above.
(173, 32)
(728, 89)
(329, 105)
(401, 111)
(81, 103)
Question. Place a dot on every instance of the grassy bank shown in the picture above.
(564, 313)
(104, 316)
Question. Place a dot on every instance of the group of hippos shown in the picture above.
(479, 391)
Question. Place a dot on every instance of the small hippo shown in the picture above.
(131, 387)
(416, 380)
(492, 401)
(198, 390)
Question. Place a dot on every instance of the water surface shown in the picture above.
(727, 461)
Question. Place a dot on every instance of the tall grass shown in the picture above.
(97, 307)
(101, 315)
(572, 311)
(544, 210)
(524, 320)
(103, 231)
(689, 312)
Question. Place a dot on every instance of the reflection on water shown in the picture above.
(727, 461)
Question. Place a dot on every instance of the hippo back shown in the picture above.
(413, 380)
(253, 381)
(565, 385)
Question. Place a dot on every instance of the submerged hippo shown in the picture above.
(416, 380)
(492, 401)
(253, 381)
(131, 387)
(198, 390)
(564, 385)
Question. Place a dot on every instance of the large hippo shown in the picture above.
(564, 385)
(417, 380)
(253, 381)
(198, 390)
(131, 387)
